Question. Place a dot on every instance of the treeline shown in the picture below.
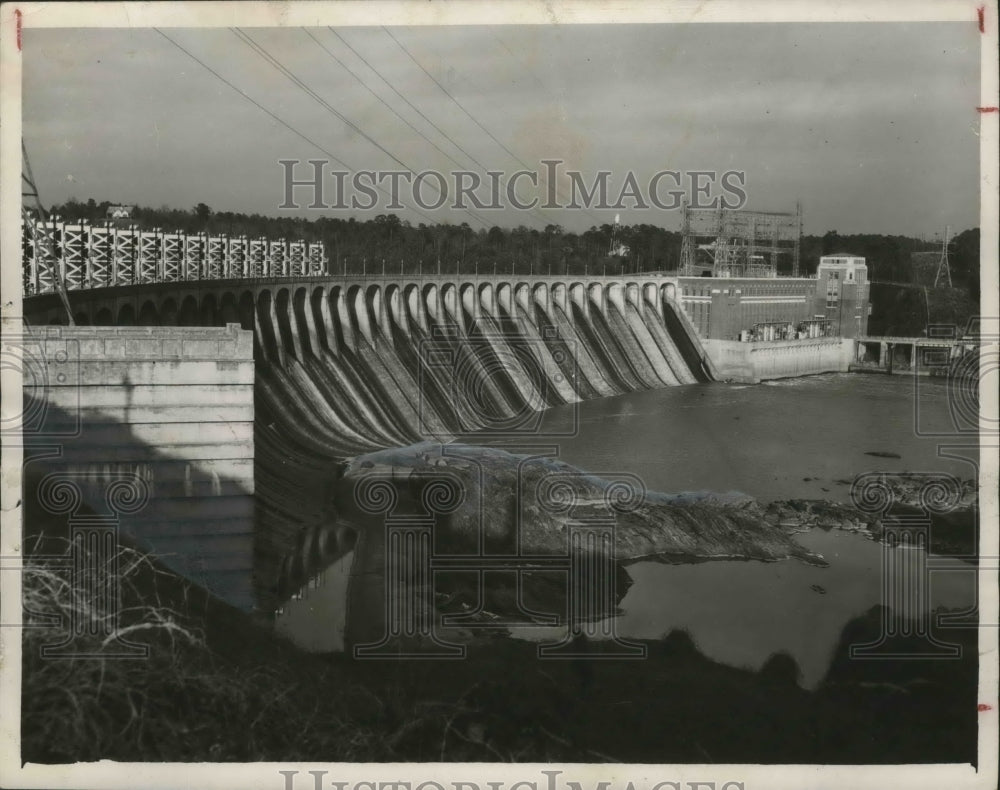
(907, 312)
(356, 246)
(889, 257)
(386, 241)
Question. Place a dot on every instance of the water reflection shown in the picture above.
(315, 619)
(741, 613)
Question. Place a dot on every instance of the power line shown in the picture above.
(247, 39)
(280, 120)
(500, 41)
(388, 106)
(460, 106)
(417, 110)
(456, 101)
(412, 106)
(253, 101)
(261, 107)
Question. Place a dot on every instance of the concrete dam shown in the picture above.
(352, 369)
(343, 369)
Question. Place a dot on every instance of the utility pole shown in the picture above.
(29, 181)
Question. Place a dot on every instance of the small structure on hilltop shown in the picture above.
(120, 211)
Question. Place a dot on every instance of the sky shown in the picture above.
(873, 127)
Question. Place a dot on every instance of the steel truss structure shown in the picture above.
(729, 243)
(944, 268)
(83, 256)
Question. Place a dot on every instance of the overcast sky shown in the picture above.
(872, 126)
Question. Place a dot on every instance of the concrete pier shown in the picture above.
(755, 362)
(921, 356)
(172, 406)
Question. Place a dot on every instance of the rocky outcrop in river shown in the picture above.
(527, 503)
(484, 502)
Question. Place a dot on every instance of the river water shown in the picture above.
(777, 440)
(796, 438)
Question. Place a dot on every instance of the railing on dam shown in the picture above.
(85, 256)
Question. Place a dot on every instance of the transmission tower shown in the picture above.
(944, 269)
(29, 190)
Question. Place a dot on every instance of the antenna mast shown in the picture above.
(43, 239)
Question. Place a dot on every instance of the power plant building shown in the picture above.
(834, 303)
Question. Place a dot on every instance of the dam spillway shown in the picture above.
(344, 368)
(354, 368)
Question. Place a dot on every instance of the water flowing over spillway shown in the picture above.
(353, 369)
(346, 370)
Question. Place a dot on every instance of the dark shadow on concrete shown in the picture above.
(199, 525)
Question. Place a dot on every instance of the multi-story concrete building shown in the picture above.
(834, 303)
(842, 293)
